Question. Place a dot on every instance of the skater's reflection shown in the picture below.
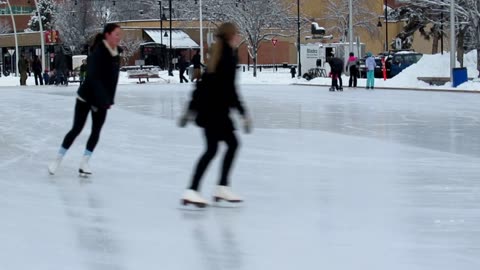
(218, 247)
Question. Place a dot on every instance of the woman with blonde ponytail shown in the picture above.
(211, 102)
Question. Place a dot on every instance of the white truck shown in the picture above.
(314, 55)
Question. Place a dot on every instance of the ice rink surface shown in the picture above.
(359, 180)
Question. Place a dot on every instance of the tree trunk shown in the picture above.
(460, 47)
(435, 42)
(478, 48)
(255, 57)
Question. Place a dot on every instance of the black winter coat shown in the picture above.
(197, 61)
(100, 85)
(336, 65)
(216, 94)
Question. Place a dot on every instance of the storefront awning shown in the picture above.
(180, 40)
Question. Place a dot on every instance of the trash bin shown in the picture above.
(459, 76)
(190, 72)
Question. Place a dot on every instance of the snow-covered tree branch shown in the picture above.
(364, 17)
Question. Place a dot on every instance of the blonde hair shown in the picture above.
(225, 33)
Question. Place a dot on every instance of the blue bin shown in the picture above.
(459, 76)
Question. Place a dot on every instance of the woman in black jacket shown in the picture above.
(211, 103)
(95, 95)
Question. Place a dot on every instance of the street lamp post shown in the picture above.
(350, 25)
(16, 39)
(170, 69)
(298, 40)
(42, 38)
(386, 27)
(452, 38)
(201, 32)
(162, 58)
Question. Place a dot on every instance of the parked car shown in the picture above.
(401, 60)
(362, 68)
(395, 63)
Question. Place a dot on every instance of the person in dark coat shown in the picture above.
(23, 69)
(37, 70)
(293, 71)
(197, 66)
(336, 67)
(352, 67)
(83, 71)
(61, 68)
(95, 95)
(211, 102)
(182, 66)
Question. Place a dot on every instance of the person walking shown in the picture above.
(23, 69)
(352, 67)
(370, 64)
(95, 96)
(37, 70)
(197, 67)
(182, 66)
(211, 102)
(83, 71)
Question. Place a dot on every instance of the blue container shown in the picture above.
(459, 76)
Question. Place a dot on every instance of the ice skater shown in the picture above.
(211, 102)
(95, 95)
(370, 63)
(336, 66)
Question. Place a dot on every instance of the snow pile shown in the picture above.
(437, 65)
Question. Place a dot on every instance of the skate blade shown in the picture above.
(196, 204)
(84, 175)
(220, 199)
(222, 203)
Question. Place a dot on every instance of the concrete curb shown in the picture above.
(404, 89)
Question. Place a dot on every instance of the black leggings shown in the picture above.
(212, 138)
(80, 118)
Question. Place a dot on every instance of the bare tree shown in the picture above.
(424, 12)
(257, 20)
(78, 23)
(5, 27)
(130, 46)
(364, 17)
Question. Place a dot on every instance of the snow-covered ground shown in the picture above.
(429, 66)
(354, 180)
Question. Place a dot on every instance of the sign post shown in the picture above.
(384, 69)
(274, 42)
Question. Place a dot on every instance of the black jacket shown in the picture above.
(216, 94)
(336, 65)
(197, 61)
(37, 66)
(100, 85)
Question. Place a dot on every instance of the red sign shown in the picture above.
(51, 36)
(274, 42)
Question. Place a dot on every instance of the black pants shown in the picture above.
(353, 77)
(38, 77)
(212, 138)
(335, 76)
(182, 77)
(80, 118)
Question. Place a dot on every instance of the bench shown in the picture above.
(142, 74)
(436, 80)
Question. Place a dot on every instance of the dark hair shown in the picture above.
(109, 28)
(351, 54)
